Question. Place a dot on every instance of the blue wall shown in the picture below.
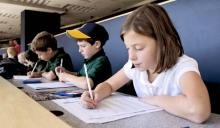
(198, 23)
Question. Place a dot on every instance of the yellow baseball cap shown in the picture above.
(90, 31)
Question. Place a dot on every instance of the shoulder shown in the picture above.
(60, 54)
(7, 61)
(185, 64)
(101, 60)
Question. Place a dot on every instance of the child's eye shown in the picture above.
(139, 48)
(83, 46)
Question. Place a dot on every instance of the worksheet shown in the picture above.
(115, 107)
(50, 85)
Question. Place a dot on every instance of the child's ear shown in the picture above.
(97, 44)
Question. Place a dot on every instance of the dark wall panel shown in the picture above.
(33, 22)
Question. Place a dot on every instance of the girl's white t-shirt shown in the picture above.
(166, 83)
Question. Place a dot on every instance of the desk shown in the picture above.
(160, 119)
(17, 110)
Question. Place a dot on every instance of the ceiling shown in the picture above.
(72, 11)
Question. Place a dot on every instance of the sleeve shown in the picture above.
(54, 64)
(67, 63)
(97, 69)
(187, 66)
(100, 70)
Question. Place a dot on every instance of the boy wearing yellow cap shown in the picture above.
(91, 38)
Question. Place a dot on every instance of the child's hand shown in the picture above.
(31, 74)
(59, 70)
(87, 102)
(62, 77)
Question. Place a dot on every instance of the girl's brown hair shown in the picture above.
(153, 21)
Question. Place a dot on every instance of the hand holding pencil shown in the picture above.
(59, 70)
(87, 81)
(31, 74)
(88, 98)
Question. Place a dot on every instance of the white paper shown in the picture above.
(24, 77)
(49, 85)
(112, 108)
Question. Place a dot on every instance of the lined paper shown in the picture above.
(50, 85)
(25, 77)
(115, 107)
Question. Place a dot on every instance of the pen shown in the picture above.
(88, 83)
(34, 68)
(68, 94)
(31, 81)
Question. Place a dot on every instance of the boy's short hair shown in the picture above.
(90, 32)
(11, 51)
(31, 56)
(42, 41)
(21, 58)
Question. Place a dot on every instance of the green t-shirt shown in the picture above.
(40, 65)
(56, 60)
(98, 67)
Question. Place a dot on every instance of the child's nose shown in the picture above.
(132, 55)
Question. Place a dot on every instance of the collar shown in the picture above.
(98, 54)
(56, 53)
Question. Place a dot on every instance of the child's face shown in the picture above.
(86, 49)
(45, 55)
(29, 63)
(142, 50)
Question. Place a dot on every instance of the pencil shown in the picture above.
(88, 83)
(34, 68)
(61, 63)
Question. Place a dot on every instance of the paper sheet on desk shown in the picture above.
(24, 77)
(112, 108)
(50, 85)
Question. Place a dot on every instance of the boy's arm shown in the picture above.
(34, 74)
(49, 75)
(79, 81)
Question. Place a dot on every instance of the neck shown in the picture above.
(151, 75)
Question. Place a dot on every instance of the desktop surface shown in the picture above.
(17, 110)
(159, 119)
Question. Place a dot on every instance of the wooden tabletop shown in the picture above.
(17, 110)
